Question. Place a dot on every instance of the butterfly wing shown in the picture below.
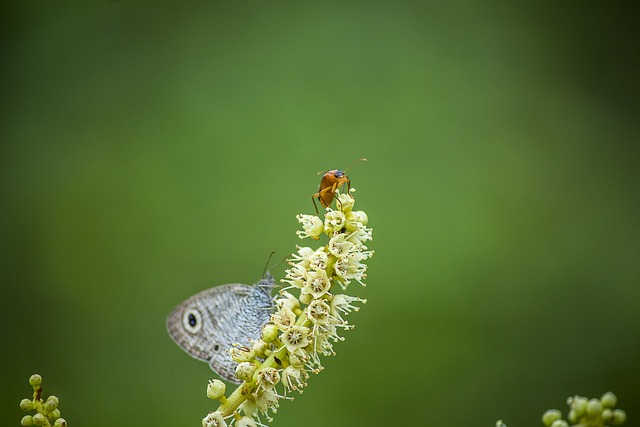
(212, 321)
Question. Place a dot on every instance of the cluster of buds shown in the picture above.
(585, 412)
(305, 325)
(47, 412)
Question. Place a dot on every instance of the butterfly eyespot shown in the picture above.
(192, 321)
(216, 347)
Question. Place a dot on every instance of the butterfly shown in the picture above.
(210, 322)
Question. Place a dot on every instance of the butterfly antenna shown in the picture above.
(361, 159)
(264, 271)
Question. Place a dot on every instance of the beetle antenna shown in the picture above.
(355, 161)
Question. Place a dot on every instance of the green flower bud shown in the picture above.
(594, 407)
(305, 298)
(35, 380)
(579, 405)
(560, 423)
(27, 420)
(55, 414)
(261, 348)
(245, 370)
(609, 400)
(619, 417)
(39, 420)
(216, 389)
(51, 404)
(550, 416)
(26, 405)
(60, 422)
(607, 415)
(573, 416)
(269, 332)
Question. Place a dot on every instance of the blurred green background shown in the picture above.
(153, 149)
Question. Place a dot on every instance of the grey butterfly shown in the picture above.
(212, 321)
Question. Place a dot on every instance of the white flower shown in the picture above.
(295, 337)
(268, 378)
(302, 256)
(312, 226)
(318, 311)
(283, 318)
(317, 283)
(296, 275)
(318, 260)
(344, 202)
(294, 378)
(356, 220)
(339, 246)
(214, 419)
(333, 221)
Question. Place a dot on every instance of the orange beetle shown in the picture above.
(330, 182)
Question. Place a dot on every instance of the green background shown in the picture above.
(153, 149)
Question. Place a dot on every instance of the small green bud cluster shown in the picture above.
(303, 327)
(47, 411)
(585, 412)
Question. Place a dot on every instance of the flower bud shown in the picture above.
(35, 380)
(607, 415)
(51, 404)
(39, 420)
(579, 405)
(216, 389)
(550, 417)
(619, 417)
(609, 400)
(26, 405)
(245, 370)
(60, 422)
(560, 423)
(27, 420)
(55, 414)
(261, 348)
(269, 332)
(594, 407)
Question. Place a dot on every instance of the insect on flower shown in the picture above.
(330, 182)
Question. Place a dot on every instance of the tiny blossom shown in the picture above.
(317, 284)
(268, 378)
(289, 301)
(245, 422)
(345, 202)
(341, 304)
(242, 354)
(302, 255)
(296, 275)
(355, 220)
(214, 419)
(339, 246)
(295, 337)
(312, 226)
(294, 378)
(318, 260)
(333, 221)
(298, 358)
(245, 370)
(361, 235)
(284, 318)
(265, 400)
(318, 311)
